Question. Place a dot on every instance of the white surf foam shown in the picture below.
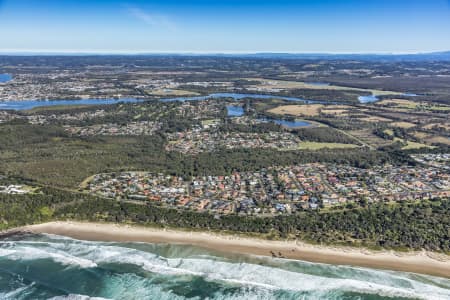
(27, 253)
(77, 297)
(281, 279)
(262, 277)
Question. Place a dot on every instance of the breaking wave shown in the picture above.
(53, 267)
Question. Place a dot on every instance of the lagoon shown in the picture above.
(5, 78)
(373, 98)
(235, 111)
(289, 123)
(368, 99)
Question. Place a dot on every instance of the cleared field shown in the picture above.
(412, 145)
(338, 110)
(405, 125)
(317, 146)
(54, 108)
(269, 84)
(369, 138)
(389, 132)
(439, 140)
(309, 110)
(408, 104)
(374, 119)
(399, 103)
(446, 126)
(420, 135)
(210, 122)
(436, 107)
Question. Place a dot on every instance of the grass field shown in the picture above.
(412, 145)
(317, 146)
(408, 104)
(375, 119)
(309, 110)
(405, 125)
(338, 110)
(367, 136)
(420, 135)
(446, 126)
(439, 140)
(210, 122)
(399, 103)
(170, 92)
(55, 108)
(284, 84)
(440, 108)
(389, 132)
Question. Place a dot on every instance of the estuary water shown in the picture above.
(373, 98)
(288, 123)
(5, 78)
(55, 267)
(368, 99)
(30, 104)
(291, 124)
(235, 111)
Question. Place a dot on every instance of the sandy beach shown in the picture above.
(418, 262)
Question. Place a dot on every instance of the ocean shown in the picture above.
(55, 267)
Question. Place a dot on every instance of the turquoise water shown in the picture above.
(54, 267)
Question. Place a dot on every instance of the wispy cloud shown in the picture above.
(154, 20)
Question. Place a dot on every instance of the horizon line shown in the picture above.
(130, 53)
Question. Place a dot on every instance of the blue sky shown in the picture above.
(397, 26)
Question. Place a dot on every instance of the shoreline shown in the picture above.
(422, 262)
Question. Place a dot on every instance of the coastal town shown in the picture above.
(438, 160)
(211, 150)
(277, 190)
(132, 128)
(197, 140)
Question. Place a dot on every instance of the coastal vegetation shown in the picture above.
(406, 225)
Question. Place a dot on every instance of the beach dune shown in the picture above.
(423, 262)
